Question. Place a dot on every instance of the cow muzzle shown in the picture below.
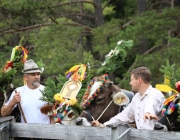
(159, 126)
(82, 121)
(79, 121)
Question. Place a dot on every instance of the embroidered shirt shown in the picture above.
(151, 102)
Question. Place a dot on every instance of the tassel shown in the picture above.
(77, 72)
(73, 69)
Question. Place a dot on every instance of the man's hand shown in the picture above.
(17, 97)
(7, 109)
(95, 123)
(149, 116)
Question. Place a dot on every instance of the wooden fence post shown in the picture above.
(119, 133)
(4, 127)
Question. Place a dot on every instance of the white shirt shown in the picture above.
(31, 104)
(151, 101)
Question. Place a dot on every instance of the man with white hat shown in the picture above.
(28, 97)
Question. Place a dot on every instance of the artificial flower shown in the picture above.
(58, 97)
(110, 53)
(71, 101)
(104, 63)
(119, 42)
(178, 86)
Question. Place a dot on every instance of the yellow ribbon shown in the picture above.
(170, 99)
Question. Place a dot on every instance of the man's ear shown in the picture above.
(139, 80)
(25, 76)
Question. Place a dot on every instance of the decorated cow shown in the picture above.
(171, 111)
(102, 100)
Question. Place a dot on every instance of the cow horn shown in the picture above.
(120, 98)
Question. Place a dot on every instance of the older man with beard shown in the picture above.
(145, 107)
(28, 97)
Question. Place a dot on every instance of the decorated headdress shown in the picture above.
(12, 67)
(19, 54)
(90, 95)
(172, 103)
(66, 98)
(67, 95)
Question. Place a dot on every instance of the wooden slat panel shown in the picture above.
(86, 133)
(59, 132)
(135, 134)
(8, 118)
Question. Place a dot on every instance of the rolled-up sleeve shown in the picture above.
(127, 115)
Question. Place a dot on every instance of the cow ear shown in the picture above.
(120, 98)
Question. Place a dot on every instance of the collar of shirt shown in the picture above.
(146, 92)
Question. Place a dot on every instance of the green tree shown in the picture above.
(63, 33)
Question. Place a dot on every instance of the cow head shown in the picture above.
(103, 105)
(170, 121)
(70, 118)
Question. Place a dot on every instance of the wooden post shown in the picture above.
(119, 133)
(4, 127)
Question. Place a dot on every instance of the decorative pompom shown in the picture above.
(46, 108)
(178, 86)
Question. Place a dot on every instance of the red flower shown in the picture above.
(178, 86)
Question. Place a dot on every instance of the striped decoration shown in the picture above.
(169, 105)
(86, 100)
(58, 120)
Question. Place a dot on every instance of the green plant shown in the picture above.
(114, 59)
(171, 74)
(51, 88)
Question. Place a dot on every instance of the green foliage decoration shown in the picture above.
(10, 70)
(115, 57)
(171, 74)
(51, 88)
(6, 77)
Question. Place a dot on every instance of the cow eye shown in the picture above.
(100, 100)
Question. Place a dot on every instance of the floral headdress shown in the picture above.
(19, 54)
(87, 98)
(9, 70)
(76, 74)
(18, 57)
(170, 103)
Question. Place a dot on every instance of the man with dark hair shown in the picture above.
(146, 105)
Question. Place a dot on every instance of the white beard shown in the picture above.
(36, 84)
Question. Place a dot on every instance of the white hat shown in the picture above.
(31, 67)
